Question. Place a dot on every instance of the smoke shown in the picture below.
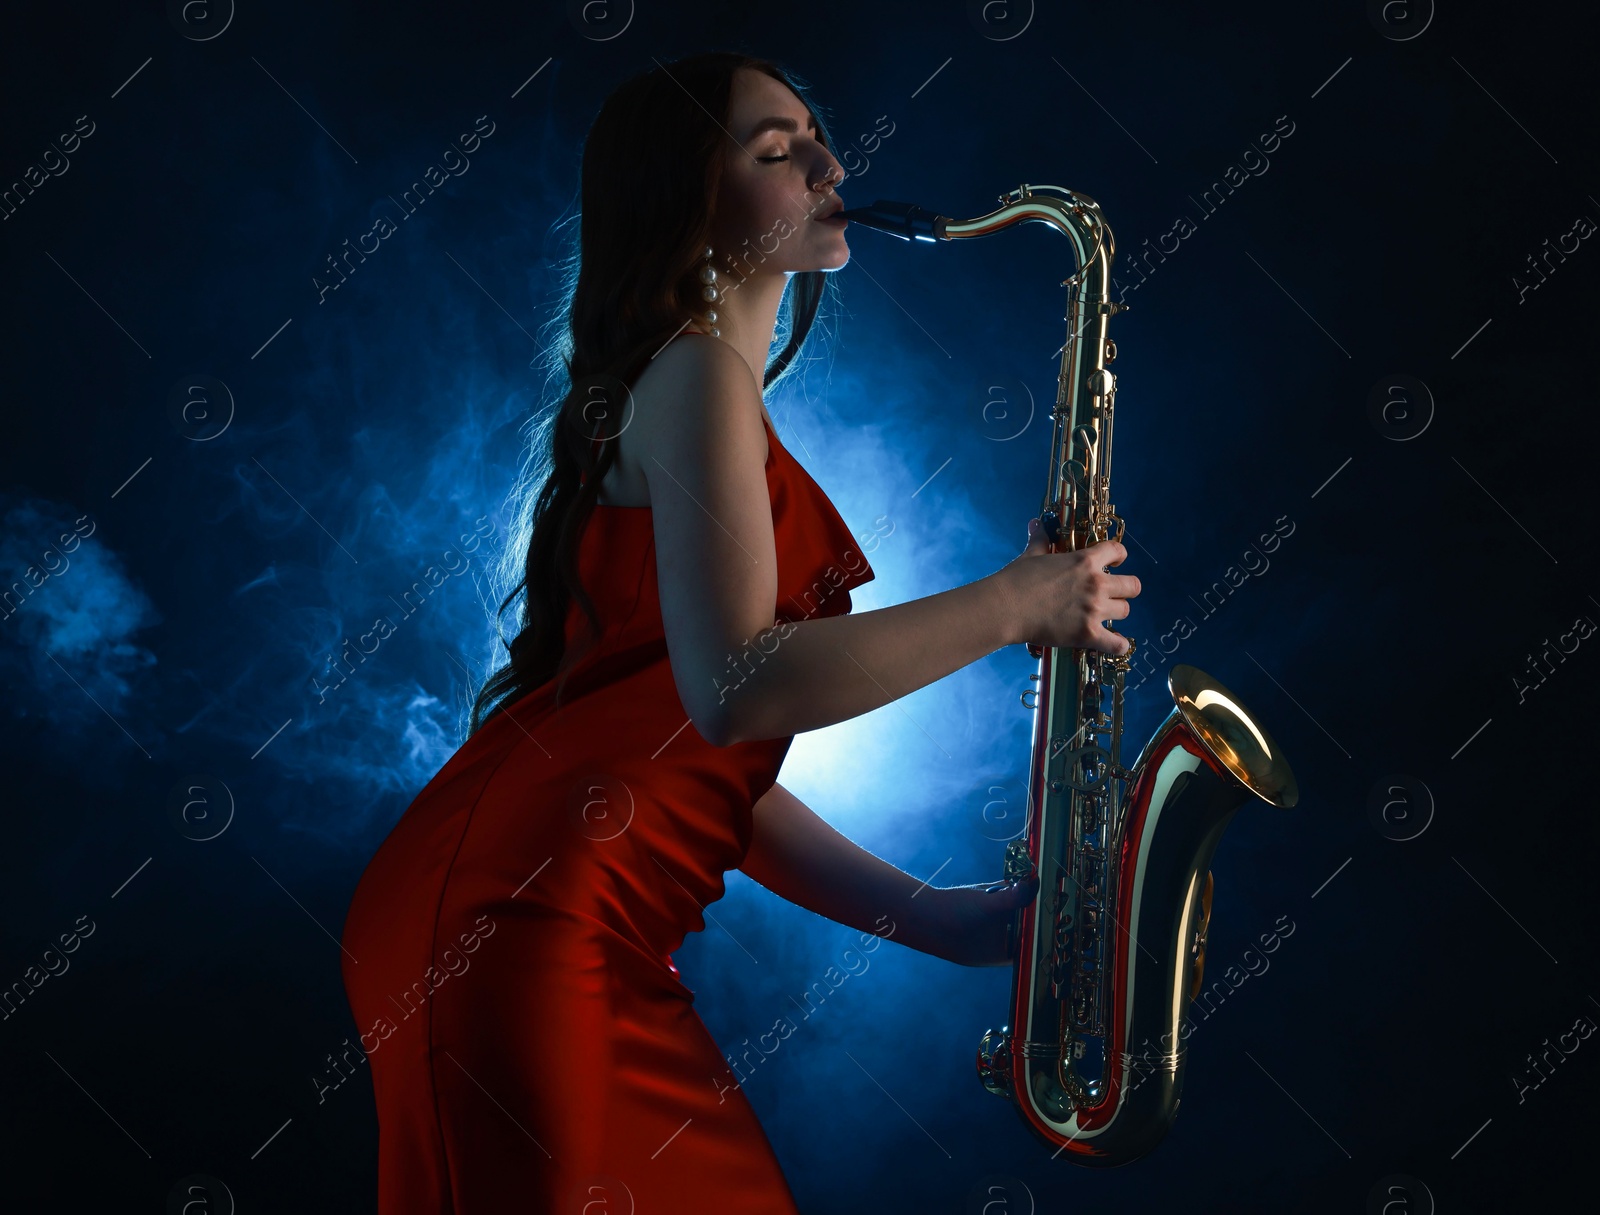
(362, 639)
(70, 614)
(921, 537)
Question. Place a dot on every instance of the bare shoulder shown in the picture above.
(695, 390)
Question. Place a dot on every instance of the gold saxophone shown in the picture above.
(1111, 951)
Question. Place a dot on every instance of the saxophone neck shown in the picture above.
(1073, 214)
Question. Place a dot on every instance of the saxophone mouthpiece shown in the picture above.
(905, 220)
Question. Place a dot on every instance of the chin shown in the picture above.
(834, 259)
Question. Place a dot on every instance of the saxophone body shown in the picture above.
(1111, 952)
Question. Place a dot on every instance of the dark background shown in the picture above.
(1430, 156)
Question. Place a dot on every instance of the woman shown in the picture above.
(686, 613)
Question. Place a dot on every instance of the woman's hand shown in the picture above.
(1061, 599)
(969, 924)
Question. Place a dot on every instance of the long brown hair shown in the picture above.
(652, 164)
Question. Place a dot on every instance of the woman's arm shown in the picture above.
(799, 857)
(703, 448)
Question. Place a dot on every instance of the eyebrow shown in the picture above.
(775, 123)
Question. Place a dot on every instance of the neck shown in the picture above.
(747, 313)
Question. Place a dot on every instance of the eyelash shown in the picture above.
(770, 159)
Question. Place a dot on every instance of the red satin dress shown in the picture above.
(507, 950)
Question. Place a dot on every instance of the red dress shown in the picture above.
(507, 950)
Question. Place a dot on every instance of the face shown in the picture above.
(771, 164)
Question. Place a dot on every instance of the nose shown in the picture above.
(826, 173)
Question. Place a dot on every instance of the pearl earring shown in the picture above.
(708, 276)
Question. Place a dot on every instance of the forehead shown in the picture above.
(756, 96)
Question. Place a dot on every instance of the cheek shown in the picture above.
(737, 201)
(757, 204)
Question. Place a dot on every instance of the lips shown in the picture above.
(832, 209)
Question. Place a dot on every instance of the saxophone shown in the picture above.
(1112, 949)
